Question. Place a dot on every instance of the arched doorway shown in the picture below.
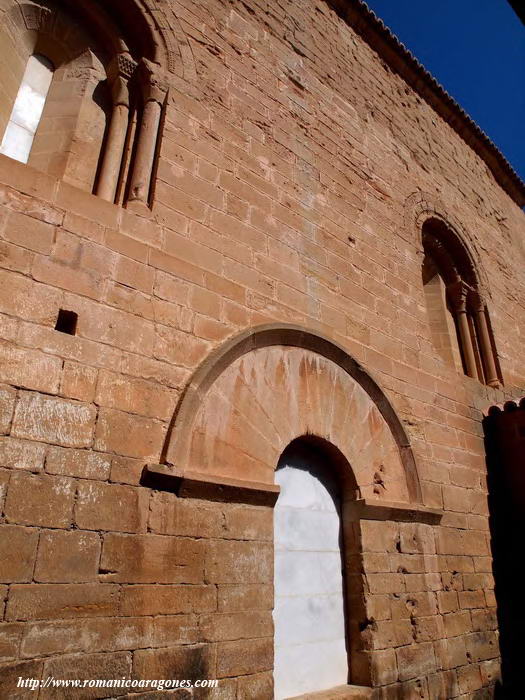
(309, 612)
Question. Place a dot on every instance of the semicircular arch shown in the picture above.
(420, 207)
(272, 384)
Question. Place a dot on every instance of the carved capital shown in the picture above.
(121, 66)
(153, 82)
(120, 92)
(478, 302)
(458, 294)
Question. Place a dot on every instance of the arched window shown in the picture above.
(27, 110)
(457, 314)
(81, 95)
(309, 614)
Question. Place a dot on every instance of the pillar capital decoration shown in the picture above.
(120, 70)
(478, 302)
(459, 294)
(153, 82)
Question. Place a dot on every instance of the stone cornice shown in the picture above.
(357, 14)
(188, 484)
(376, 509)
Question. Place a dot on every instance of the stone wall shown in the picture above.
(293, 167)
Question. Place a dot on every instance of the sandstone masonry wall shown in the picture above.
(289, 166)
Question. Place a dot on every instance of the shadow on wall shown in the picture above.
(505, 449)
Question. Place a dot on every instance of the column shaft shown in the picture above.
(145, 155)
(466, 343)
(112, 161)
(486, 348)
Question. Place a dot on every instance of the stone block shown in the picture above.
(244, 657)
(31, 233)
(490, 671)
(68, 556)
(443, 684)
(173, 630)
(22, 454)
(31, 369)
(10, 636)
(484, 620)
(102, 506)
(482, 646)
(170, 515)
(218, 627)
(27, 299)
(258, 685)
(128, 435)
(417, 538)
(471, 599)
(428, 629)
(10, 674)
(190, 662)
(89, 667)
(469, 678)
(457, 623)
(78, 381)
(242, 597)
(80, 463)
(17, 553)
(59, 601)
(134, 395)
(7, 407)
(152, 559)
(53, 420)
(248, 523)
(415, 660)
(451, 652)
(168, 600)
(386, 583)
(383, 665)
(126, 470)
(447, 601)
(39, 499)
(239, 562)
(379, 536)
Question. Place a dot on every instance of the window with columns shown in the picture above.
(82, 94)
(456, 308)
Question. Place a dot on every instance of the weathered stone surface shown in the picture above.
(56, 601)
(101, 506)
(40, 499)
(7, 407)
(188, 662)
(10, 673)
(80, 463)
(238, 562)
(68, 556)
(168, 600)
(89, 667)
(152, 559)
(17, 553)
(415, 660)
(22, 454)
(244, 657)
(52, 420)
(278, 197)
(128, 435)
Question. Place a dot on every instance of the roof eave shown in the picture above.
(358, 15)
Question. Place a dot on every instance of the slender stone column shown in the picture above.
(120, 71)
(487, 354)
(459, 293)
(154, 96)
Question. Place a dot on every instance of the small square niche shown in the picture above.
(66, 322)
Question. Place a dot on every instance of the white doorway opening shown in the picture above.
(309, 613)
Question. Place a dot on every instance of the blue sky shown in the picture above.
(476, 50)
